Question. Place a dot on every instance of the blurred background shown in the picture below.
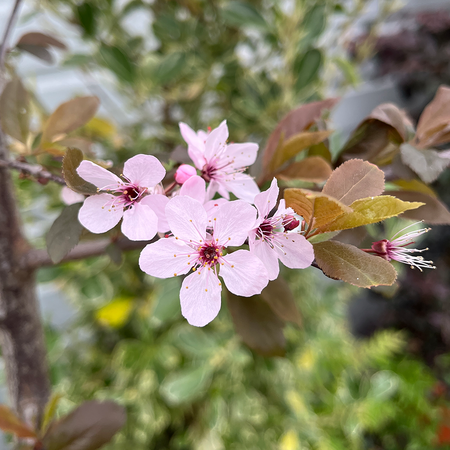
(366, 369)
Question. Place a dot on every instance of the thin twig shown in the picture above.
(35, 170)
(36, 258)
(8, 30)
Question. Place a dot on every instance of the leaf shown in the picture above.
(352, 265)
(280, 298)
(414, 185)
(10, 423)
(293, 123)
(294, 145)
(243, 14)
(64, 233)
(428, 164)
(50, 410)
(170, 67)
(186, 385)
(434, 123)
(41, 40)
(88, 427)
(71, 161)
(39, 52)
(391, 115)
(314, 23)
(306, 68)
(87, 17)
(370, 210)
(68, 117)
(257, 325)
(14, 110)
(433, 211)
(353, 180)
(322, 150)
(313, 169)
(116, 60)
(323, 208)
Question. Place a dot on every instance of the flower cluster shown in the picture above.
(204, 235)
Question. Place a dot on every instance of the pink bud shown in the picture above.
(184, 172)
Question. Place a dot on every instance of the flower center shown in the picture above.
(265, 230)
(209, 254)
(208, 172)
(290, 223)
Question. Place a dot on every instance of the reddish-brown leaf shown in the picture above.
(40, 40)
(353, 180)
(10, 423)
(314, 169)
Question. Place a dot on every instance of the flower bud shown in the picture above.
(184, 172)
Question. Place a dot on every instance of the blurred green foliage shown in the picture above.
(186, 388)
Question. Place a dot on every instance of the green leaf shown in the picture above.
(10, 423)
(280, 298)
(433, 211)
(428, 164)
(88, 427)
(314, 23)
(71, 161)
(345, 262)
(64, 234)
(87, 17)
(306, 68)
(257, 325)
(349, 69)
(195, 341)
(186, 385)
(116, 60)
(14, 110)
(243, 14)
(167, 305)
(370, 210)
(353, 180)
(68, 117)
(170, 67)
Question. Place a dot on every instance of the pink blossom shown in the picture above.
(272, 239)
(222, 164)
(184, 172)
(394, 249)
(134, 196)
(70, 197)
(198, 246)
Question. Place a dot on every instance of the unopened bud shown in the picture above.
(184, 172)
(290, 223)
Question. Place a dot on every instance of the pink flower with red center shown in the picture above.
(395, 249)
(272, 239)
(134, 197)
(198, 245)
(222, 164)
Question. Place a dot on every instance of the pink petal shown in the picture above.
(144, 170)
(242, 186)
(187, 219)
(242, 155)
(166, 258)
(268, 256)
(139, 223)
(297, 252)
(97, 214)
(214, 187)
(195, 188)
(216, 140)
(212, 206)
(158, 203)
(243, 273)
(267, 200)
(70, 197)
(196, 144)
(200, 297)
(232, 222)
(98, 176)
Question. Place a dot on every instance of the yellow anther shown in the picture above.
(187, 287)
(174, 256)
(206, 290)
(232, 266)
(190, 220)
(174, 274)
(215, 257)
(221, 254)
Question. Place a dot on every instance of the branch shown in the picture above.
(36, 258)
(35, 170)
(8, 30)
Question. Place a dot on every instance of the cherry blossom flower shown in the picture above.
(70, 197)
(394, 249)
(272, 239)
(134, 196)
(198, 246)
(184, 172)
(222, 164)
